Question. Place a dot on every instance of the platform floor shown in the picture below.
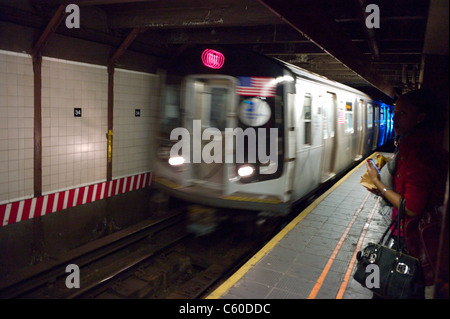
(315, 255)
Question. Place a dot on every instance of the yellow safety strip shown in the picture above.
(174, 185)
(166, 182)
(254, 199)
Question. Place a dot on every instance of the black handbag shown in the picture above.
(390, 272)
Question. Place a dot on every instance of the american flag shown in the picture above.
(341, 117)
(256, 86)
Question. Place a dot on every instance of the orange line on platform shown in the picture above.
(348, 273)
(330, 261)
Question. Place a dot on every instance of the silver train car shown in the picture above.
(243, 131)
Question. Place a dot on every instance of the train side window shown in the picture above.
(307, 118)
(328, 116)
(369, 115)
(359, 123)
(349, 117)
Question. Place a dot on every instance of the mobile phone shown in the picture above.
(374, 165)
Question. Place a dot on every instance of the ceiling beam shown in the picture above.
(123, 47)
(190, 14)
(267, 34)
(49, 30)
(303, 15)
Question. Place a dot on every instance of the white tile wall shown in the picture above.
(16, 126)
(134, 136)
(73, 148)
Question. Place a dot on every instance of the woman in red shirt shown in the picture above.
(422, 164)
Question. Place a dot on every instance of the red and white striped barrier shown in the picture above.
(47, 204)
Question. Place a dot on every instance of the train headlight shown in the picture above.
(245, 171)
(176, 160)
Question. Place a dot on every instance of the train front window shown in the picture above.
(170, 110)
(219, 102)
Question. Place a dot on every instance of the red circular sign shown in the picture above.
(213, 59)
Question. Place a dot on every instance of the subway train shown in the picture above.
(241, 130)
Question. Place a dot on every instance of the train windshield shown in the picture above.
(219, 99)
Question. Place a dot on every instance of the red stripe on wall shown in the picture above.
(103, 190)
(113, 190)
(135, 182)
(50, 200)
(89, 194)
(71, 196)
(80, 195)
(128, 187)
(26, 209)
(38, 208)
(141, 181)
(2, 214)
(107, 185)
(99, 191)
(13, 212)
(121, 181)
(60, 204)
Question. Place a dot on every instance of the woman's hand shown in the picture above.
(372, 171)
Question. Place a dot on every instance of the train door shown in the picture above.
(381, 125)
(209, 100)
(329, 111)
(390, 123)
(376, 109)
(360, 129)
(369, 126)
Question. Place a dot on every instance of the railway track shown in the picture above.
(47, 279)
(153, 259)
(185, 270)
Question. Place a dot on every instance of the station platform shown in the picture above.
(314, 256)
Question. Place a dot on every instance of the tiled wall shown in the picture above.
(74, 149)
(133, 136)
(16, 126)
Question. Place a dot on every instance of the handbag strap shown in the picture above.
(393, 223)
(400, 220)
(396, 223)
